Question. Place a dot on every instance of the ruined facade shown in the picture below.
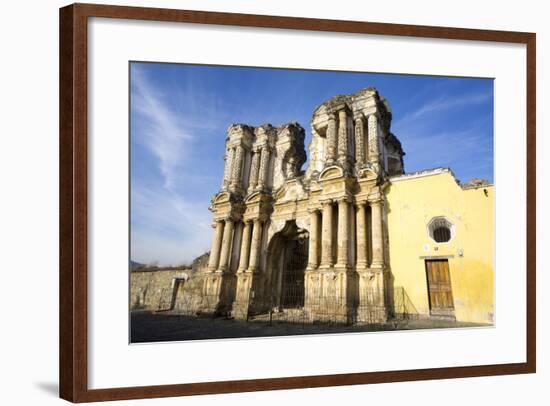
(291, 238)
(352, 238)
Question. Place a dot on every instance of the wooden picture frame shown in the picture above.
(73, 207)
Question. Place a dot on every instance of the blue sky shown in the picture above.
(179, 115)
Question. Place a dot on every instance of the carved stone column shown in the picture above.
(255, 246)
(359, 141)
(331, 139)
(373, 138)
(343, 233)
(254, 167)
(226, 245)
(245, 247)
(227, 168)
(362, 260)
(264, 167)
(313, 255)
(214, 258)
(377, 233)
(238, 166)
(342, 137)
(326, 248)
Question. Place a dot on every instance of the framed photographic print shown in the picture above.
(256, 202)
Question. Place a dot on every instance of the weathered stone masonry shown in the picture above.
(268, 209)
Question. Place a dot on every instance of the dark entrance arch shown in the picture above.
(295, 263)
(287, 259)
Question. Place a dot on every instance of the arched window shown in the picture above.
(440, 229)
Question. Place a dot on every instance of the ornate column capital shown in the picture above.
(358, 115)
(216, 222)
(258, 220)
(342, 199)
(374, 115)
(226, 218)
(378, 200)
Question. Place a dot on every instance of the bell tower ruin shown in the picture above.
(318, 234)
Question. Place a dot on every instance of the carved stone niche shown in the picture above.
(368, 171)
(292, 190)
(258, 205)
(330, 173)
(291, 154)
(225, 204)
(334, 183)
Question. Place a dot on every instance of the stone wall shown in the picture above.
(159, 289)
(152, 289)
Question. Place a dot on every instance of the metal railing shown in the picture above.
(368, 308)
(403, 307)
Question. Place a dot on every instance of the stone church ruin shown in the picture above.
(313, 240)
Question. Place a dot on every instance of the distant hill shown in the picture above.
(198, 263)
(135, 265)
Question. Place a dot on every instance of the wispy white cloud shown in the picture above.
(169, 224)
(167, 228)
(467, 151)
(443, 104)
(165, 134)
(466, 146)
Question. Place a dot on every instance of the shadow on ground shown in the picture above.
(156, 327)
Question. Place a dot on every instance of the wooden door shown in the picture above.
(440, 292)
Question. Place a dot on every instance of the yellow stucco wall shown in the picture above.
(411, 203)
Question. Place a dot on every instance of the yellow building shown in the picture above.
(453, 277)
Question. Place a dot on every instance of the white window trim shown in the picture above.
(450, 224)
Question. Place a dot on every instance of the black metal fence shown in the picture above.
(368, 308)
(403, 307)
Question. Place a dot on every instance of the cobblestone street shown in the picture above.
(155, 327)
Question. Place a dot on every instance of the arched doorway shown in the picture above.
(292, 284)
(288, 257)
